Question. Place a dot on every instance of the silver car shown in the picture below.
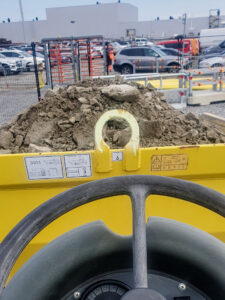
(12, 65)
(146, 59)
(212, 62)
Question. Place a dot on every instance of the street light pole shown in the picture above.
(22, 19)
(184, 23)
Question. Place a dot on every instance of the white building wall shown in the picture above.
(165, 28)
(110, 20)
(34, 31)
(91, 19)
(103, 19)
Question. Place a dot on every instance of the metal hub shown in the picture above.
(143, 294)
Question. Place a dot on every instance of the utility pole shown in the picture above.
(184, 19)
(22, 19)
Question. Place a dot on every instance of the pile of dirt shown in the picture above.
(64, 120)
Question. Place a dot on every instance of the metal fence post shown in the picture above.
(157, 65)
(36, 71)
(73, 62)
(104, 57)
(190, 93)
(180, 82)
(221, 81)
(47, 66)
(146, 81)
(161, 83)
(78, 60)
(89, 58)
(185, 81)
(215, 78)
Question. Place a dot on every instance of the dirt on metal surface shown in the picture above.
(65, 118)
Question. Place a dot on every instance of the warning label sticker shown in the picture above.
(43, 167)
(77, 165)
(169, 162)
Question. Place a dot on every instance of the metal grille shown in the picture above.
(72, 59)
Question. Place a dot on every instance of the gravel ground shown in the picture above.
(17, 93)
(215, 108)
(14, 102)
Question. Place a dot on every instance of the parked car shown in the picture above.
(12, 65)
(215, 49)
(182, 57)
(27, 48)
(27, 59)
(173, 52)
(123, 43)
(116, 46)
(203, 57)
(142, 42)
(190, 46)
(218, 61)
(130, 60)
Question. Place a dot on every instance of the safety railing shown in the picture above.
(145, 78)
(213, 77)
(186, 81)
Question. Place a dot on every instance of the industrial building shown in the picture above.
(113, 20)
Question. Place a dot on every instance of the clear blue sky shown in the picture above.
(148, 9)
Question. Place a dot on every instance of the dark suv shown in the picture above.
(145, 59)
(215, 49)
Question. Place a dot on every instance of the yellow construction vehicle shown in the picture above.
(178, 255)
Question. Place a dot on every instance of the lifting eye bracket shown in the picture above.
(131, 160)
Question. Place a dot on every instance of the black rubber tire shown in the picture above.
(174, 248)
(8, 72)
(126, 69)
(3, 73)
(173, 68)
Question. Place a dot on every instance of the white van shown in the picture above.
(211, 37)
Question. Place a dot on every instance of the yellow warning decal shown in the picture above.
(169, 162)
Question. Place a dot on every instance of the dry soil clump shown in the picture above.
(65, 118)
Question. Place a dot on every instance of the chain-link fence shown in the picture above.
(20, 87)
(67, 60)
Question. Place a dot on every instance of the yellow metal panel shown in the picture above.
(173, 83)
(201, 164)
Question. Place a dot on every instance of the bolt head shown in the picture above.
(182, 287)
(76, 295)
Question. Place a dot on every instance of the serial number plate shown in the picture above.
(44, 167)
